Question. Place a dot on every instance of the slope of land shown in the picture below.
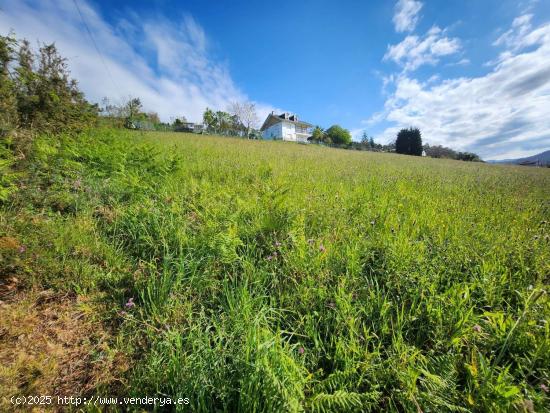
(268, 276)
(542, 158)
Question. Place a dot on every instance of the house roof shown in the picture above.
(273, 119)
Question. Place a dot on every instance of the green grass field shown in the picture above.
(275, 277)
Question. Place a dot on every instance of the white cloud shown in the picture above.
(503, 114)
(513, 38)
(405, 17)
(167, 65)
(415, 51)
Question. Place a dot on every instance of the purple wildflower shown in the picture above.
(544, 387)
(301, 350)
(130, 303)
(322, 248)
(277, 244)
(477, 328)
(22, 249)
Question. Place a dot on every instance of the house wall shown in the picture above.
(273, 132)
(284, 130)
(289, 132)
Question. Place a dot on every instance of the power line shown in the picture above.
(97, 48)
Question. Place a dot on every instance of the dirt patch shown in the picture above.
(50, 345)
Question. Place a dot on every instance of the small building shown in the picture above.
(285, 127)
(189, 127)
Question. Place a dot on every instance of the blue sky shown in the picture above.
(472, 75)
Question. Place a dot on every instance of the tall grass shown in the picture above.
(271, 277)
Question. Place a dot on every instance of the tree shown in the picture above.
(47, 99)
(178, 122)
(317, 135)
(209, 119)
(224, 122)
(409, 142)
(133, 108)
(153, 117)
(371, 142)
(338, 135)
(245, 114)
(8, 101)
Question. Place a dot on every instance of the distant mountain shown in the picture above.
(540, 159)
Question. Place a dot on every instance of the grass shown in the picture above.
(270, 276)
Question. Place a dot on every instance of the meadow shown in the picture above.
(258, 276)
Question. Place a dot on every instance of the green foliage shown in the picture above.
(467, 156)
(438, 151)
(318, 135)
(375, 282)
(338, 135)
(37, 93)
(8, 101)
(409, 142)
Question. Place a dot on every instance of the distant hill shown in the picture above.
(540, 159)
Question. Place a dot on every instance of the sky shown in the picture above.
(472, 75)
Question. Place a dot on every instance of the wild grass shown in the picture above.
(271, 276)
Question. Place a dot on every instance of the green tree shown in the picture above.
(409, 142)
(338, 135)
(133, 108)
(8, 101)
(224, 122)
(209, 119)
(317, 135)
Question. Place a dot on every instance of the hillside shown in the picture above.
(542, 158)
(271, 276)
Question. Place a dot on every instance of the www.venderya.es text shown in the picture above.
(97, 401)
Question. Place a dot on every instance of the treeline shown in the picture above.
(37, 94)
(438, 151)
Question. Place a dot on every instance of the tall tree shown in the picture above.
(409, 142)
(134, 108)
(209, 119)
(8, 101)
(246, 115)
(318, 135)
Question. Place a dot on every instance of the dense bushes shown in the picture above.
(36, 91)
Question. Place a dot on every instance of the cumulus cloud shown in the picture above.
(415, 51)
(406, 16)
(167, 65)
(503, 114)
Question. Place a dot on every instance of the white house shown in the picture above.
(286, 127)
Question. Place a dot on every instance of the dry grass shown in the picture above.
(48, 343)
